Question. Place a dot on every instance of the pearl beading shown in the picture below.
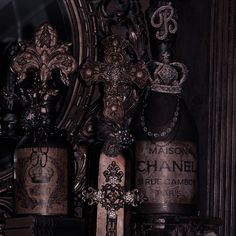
(164, 131)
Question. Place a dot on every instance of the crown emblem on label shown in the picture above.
(169, 77)
(39, 174)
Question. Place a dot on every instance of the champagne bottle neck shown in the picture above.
(164, 117)
(160, 107)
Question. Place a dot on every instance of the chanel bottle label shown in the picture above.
(167, 172)
(41, 181)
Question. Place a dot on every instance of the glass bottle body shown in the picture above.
(166, 163)
(43, 176)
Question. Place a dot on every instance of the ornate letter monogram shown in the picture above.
(112, 196)
(163, 20)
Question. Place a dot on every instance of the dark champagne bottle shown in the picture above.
(43, 159)
(165, 133)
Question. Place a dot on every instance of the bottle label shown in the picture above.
(41, 179)
(167, 172)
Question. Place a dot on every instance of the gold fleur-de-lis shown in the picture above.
(44, 55)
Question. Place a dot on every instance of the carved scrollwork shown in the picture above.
(107, 17)
(124, 7)
(137, 33)
(124, 18)
(80, 175)
(188, 229)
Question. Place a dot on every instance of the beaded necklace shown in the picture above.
(163, 131)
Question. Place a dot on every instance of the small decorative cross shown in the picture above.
(112, 196)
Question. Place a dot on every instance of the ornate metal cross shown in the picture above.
(117, 74)
(112, 196)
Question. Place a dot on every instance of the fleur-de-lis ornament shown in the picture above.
(43, 56)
